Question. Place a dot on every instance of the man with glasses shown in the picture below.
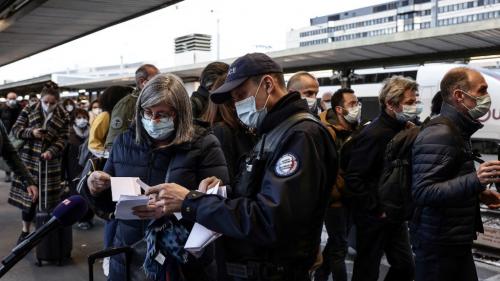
(341, 120)
(446, 187)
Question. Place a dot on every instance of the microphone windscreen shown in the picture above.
(70, 210)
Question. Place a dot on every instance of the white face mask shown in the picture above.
(311, 102)
(11, 103)
(409, 113)
(354, 114)
(69, 108)
(96, 111)
(328, 105)
(158, 130)
(81, 122)
(247, 110)
(483, 104)
(48, 108)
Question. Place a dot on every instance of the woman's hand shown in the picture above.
(32, 192)
(208, 183)
(98, 181)
(47, 155)
(39, 133)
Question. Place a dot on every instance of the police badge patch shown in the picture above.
(116, 123)
(287, 165)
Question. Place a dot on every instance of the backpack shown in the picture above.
(394, 189)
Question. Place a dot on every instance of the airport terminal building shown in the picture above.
(391, 17)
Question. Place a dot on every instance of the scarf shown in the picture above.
(164, 236)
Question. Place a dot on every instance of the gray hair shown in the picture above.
(168, 89)
(394, 88)
(295, 82)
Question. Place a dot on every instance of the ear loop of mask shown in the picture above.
(465, 93)
(256, 92)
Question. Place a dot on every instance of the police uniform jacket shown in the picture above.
(275, 213)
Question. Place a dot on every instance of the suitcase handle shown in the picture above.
(108, 253)
(40, 185)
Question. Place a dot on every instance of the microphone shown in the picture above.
(65, 214)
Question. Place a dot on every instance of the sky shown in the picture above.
(243, 25)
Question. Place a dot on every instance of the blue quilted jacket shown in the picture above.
(445, 187)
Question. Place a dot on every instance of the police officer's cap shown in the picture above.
(240, 70)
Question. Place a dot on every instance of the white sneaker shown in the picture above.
(105, 266)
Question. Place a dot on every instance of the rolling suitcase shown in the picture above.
(57, 245)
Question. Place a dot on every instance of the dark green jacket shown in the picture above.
(121, 117)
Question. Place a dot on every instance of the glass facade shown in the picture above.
(396, 18)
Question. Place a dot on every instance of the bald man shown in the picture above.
(308, 87)
(446, 186)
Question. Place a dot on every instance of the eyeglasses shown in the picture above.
(148, 115)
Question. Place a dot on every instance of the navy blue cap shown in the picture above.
(240, 70)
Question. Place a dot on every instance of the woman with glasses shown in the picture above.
(163, 146)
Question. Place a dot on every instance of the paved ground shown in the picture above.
(86, 242)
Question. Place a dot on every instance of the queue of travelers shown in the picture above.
(292, 164)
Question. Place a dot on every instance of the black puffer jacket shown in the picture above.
(445, 186)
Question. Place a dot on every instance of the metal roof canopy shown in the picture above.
(38, 25)
(404, 48)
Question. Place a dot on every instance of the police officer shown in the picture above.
(272, 223)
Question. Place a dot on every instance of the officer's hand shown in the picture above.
(170, 196)
(208, 183)
(490, 198)
(149, 211)
(98, 181)
(32, 192)
(489, 172)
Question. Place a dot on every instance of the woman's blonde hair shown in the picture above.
(168, 89)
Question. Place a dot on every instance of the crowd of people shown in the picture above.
(292, 163)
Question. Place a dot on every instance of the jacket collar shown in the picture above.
(287, 106)
(464, 123)
(329, 117)
(203, 92)
(390, 122)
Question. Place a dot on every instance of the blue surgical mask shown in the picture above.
(409, 113)
(247, 110)
(159, 130)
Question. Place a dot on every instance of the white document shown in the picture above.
(200, 236)
(125, 204)
(124, 186)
